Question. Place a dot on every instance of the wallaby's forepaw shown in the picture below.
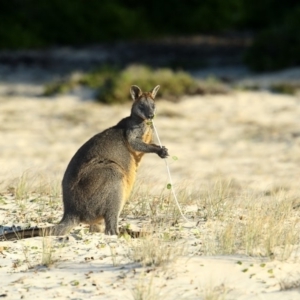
(163, 152)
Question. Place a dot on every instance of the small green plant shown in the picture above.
(74, 282)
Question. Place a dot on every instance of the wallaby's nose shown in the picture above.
(151, 116)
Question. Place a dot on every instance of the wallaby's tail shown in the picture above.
(62, 228)
(24, 233)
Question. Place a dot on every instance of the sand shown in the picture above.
(249, 138)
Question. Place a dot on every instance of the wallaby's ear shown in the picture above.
(154, 91)
(135, 92)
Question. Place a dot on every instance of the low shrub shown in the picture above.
(285, 88)
(111, 84)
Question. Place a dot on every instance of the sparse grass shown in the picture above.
(113, 254)
(26, 254)
(289, 282)
(111, 84)
(47, 251)
(216, 199)
(145, 290)
(154, 251)
(231, 222)
(214, 292)
(21, 188)
(159, 208)
(37, 199)
(246, 225)
(264, 225)
(33, 200)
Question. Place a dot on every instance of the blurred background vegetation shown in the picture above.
(275, 24)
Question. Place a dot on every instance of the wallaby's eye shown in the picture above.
(141, 106)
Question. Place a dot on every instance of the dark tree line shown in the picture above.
(41, 23)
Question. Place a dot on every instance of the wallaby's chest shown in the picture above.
(144, 134)
(147, 134)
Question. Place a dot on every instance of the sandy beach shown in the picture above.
(234, 160)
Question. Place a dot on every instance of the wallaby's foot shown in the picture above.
(163, 152)
(111, 232)
(63, 227)
(111, 224)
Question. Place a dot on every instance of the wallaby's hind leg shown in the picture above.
(115, 202)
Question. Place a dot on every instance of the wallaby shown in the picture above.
(101, 174)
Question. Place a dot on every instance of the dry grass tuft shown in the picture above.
(245, 224)
(290, 282)
(155, 251)
(214, 292)
(145, 290)
(47, 251)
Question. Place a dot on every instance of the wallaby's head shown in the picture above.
(143, 106)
